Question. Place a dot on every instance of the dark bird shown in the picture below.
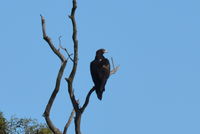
(100, 71)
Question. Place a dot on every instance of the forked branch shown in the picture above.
(68, 54)
(115, 69)
(58, 79)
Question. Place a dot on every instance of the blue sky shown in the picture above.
(155, 42)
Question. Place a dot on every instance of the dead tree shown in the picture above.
(78, 110)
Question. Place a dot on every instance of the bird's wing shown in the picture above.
(94, 71)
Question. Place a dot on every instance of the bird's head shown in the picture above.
(101, 51)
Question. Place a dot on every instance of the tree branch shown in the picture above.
(58, 80)
(52, 98)
(115, 69)
(69, 121)
(74, 37)
(87, 99)
(71, 95)
(48, 40)
(75, 59)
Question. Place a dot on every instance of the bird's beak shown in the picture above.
(105, 51)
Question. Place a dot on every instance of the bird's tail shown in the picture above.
(100, 89)
(99, 94)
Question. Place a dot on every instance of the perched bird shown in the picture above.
(100, 71)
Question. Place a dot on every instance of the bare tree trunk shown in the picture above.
(77, 122)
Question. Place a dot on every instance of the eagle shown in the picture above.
(100, 72)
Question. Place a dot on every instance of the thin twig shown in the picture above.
(112, 62)
(68, 54)
(60, 46)
(115, 69)
(69, 121)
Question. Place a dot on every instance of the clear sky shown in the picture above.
(155, 42)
